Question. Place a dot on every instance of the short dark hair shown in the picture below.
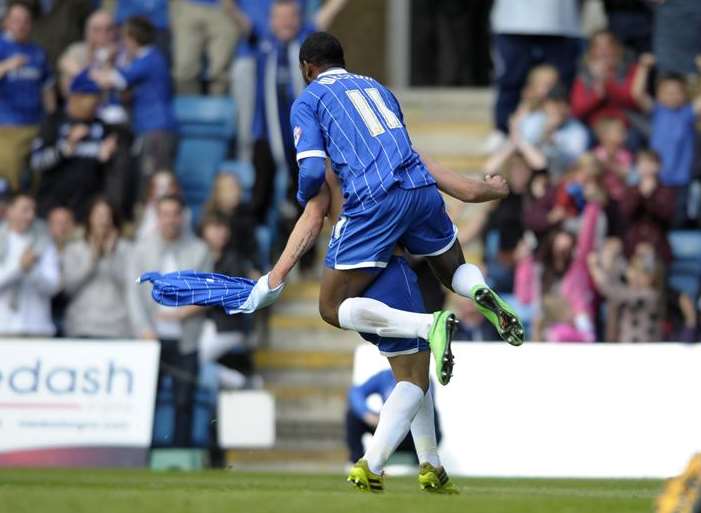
(214, 219)
(651, 154)
(141, 30)
(16, 196)
(322, 49)
(671, 76)
(176, 198)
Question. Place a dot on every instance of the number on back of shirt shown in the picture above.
(368, 115)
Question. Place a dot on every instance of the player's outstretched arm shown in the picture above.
(303, 236)
(468, 190)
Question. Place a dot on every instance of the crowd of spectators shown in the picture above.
(88, 195)
(598, 139)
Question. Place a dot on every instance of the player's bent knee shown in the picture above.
(329, 313)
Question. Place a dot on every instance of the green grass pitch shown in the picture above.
(132, 491)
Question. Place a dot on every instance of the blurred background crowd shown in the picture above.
(154, 135)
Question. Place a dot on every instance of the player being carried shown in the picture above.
(389, 199)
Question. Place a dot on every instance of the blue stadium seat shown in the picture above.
(685, 270)
(206, 126)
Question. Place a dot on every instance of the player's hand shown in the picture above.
(498, 184)
(261, 296)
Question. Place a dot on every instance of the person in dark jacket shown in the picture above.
(71, 150)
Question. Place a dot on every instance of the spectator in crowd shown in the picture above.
(29, 272)
(639, 300)
(554, 131)
(95, 277)
(541, 80)
(178, 329)
(687, 330)
(60, 222)
(677, 35)
(538, 202)
(673, 129)
(278, 81)
(362, 419)
(148, 78)
(203, 27)
(604, 84)
(162, 183)
(612, 154)
(225, 201)
(648, 207)
(631, 22)
(156, 11)
(97, 49)
(71, 150)
(473, 327)
(570, 198)
(227, 343)
(528, 34)
(254, 20)
(558, 284)
(25, 91)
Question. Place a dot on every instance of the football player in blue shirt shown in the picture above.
(389, 199)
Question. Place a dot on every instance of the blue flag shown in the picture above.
(194, 288)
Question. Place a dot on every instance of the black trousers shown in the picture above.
(183, 369)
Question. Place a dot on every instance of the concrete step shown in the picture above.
(272, 359)
(447, 104)
(317, 340)
(306, 405)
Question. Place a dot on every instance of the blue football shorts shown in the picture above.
(398, 287)
(413, 218)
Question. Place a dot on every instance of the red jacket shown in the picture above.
(589, 106)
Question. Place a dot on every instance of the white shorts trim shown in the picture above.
(311, 153)
(444, 248)
(400, 353)
(360, 265)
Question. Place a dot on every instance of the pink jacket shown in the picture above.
(577, 286)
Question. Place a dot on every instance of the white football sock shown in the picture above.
(465, 278)
(423, 431)
(366, 315)
(395, 420)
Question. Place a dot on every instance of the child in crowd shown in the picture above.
(673, 128)
(570, 197)
(613, 156)
(648, 207)
(639, 298)
(541, 80)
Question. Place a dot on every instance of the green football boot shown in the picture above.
(439, 338)
(364, 480)
(436, 481)
(499, 313)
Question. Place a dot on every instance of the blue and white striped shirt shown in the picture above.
(358, 124)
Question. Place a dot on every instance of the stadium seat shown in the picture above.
(685, 270)
(206, 125)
